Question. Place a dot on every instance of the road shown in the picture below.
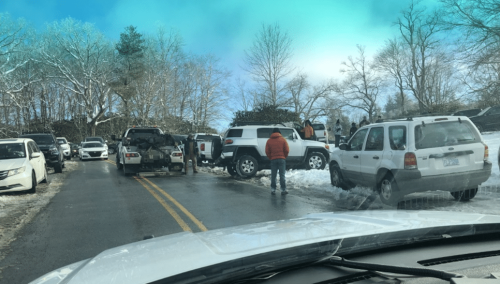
(98, 208)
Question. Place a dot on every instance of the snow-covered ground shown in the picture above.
(315, 181)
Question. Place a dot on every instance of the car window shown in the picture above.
(41, 139)
(397, 137)
(287, 133)
(318, 126)
(375, 140)
(445, 134)
(356, 143)
(12, 151)
(494, 111)
(92, 145)
(264, 132)
(235, 133)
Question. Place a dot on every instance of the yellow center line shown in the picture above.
(170, 210)
(110, 162)
(196, 221)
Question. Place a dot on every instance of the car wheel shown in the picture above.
(33, 183)
(388, 190)
(58, 168)
(231, 169)
(247, 166)
(216, 148)
(464, 195)
(316, 161)
(336, 178)
(118, 164)
(45, 175)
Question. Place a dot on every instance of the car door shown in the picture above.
(36, 163)
(351, 162)
(372, 155)
(296, 153)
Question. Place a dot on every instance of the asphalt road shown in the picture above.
(100, 208)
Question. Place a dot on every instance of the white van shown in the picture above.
(321, 132)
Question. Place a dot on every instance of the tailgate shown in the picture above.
(445, 160)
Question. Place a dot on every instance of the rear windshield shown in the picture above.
(94, 139)
(318, 126)
(61, 141)
(446, 133)
(235, 133)
(41, 139)
(205, 137)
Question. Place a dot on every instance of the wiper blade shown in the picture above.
(422, 272)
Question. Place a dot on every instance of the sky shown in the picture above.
(324, 33)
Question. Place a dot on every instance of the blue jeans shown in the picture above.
(278, 164)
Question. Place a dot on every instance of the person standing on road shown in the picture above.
(277, 151)
(337, 131)
(364, 122)
(352, 130)
(308, 130)
(190, 153)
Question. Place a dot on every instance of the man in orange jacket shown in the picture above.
(277, 151)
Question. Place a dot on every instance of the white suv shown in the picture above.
(66, 149)
(244, 153)
(417, 154)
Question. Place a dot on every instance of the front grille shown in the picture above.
(10, 186)
(95, 153)
(3, 174)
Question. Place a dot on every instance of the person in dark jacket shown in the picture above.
(364, 122)
(337, 131)
(277, 151)
(190, 153)
(352, 130)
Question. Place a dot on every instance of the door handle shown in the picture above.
(356, 156)
(376, 157)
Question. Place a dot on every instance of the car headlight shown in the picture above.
(53, 150)
(16, 171)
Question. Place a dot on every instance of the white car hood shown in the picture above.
(158, 258)
(9, 164)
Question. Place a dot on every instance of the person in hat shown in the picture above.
(277, 152)
(190, 153)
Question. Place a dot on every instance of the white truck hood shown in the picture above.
(159, 258)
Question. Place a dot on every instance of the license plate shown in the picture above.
(450, 162)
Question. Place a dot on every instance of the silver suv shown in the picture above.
(243, 151)
(417, 154)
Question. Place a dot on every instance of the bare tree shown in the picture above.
(268, 61)
(362, 86)
(419, 35)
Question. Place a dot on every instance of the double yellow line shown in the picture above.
(165, 205)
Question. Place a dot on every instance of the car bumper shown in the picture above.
(410, 181)
(88, 156)
(16, 183)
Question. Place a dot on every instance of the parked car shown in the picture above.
(93, 150)
(243, 152)
(51, 149)
(97, 139)
(488, 119)
(321, 132)
(65, 147)
(413, 155)
(467, 112)
(22, 165)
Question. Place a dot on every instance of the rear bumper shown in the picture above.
(410, 181)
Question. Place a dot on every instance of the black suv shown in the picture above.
(488, 119)
(52, 151)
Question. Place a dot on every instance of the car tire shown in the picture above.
(231, 169)
(247, 166)
(315, 161)
(58, 167)
(336, 177)
(464, 195)
(216, 148)
(388, 190)
(33, 183)
(118, 164)
(46, 176)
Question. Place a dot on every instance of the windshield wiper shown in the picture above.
(415, 271)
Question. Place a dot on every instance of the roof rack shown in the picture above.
(37, 132)
(244, 123)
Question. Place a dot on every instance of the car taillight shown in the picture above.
(202, 147)
(132, 155)
(486, 152)
(410, 161)
(177, 154)
(228, 141)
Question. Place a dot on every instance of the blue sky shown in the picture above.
(324, 33)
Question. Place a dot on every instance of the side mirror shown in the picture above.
(343, 146)
(35, 154)
(105, 141)
(113, 137)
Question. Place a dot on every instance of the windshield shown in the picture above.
(12, 151)
(128, 81)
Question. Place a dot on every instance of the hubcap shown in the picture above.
(247, 166)
(386, 189)
(315, 162)
(335, 178)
